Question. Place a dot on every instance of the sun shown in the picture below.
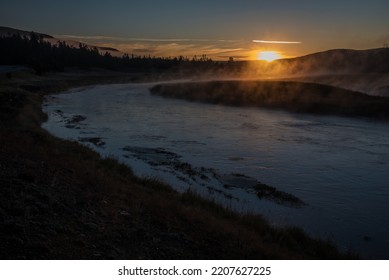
(268, 56)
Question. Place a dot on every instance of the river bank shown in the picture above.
(60, 200)
(287, 95)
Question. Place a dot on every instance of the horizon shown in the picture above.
(220, 30)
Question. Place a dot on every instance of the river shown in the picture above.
(338, 166)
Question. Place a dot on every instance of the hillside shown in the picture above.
(7, 32)
(365, 71)
(338, 61)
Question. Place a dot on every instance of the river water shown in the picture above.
(338, 166)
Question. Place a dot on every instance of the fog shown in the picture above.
(365, 71)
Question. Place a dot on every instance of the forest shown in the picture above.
(33, 51)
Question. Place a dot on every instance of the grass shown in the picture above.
(288, 95)
(61, 200)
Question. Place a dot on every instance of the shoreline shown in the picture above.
(104, 211)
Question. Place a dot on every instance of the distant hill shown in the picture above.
(8, 31)
(338, 61)
(365, 71)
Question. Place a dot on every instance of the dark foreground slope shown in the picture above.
(60, 200)
(292, 96)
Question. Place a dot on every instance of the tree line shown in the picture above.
(43, 56)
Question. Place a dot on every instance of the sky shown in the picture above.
(219, 28)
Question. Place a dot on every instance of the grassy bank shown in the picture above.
(60, 200)
(288, 95)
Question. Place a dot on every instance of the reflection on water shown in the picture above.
(338, 166)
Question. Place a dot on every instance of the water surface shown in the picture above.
(338, 166)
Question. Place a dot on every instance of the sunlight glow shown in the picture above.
(268, 56)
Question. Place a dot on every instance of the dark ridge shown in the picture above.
(8, 32)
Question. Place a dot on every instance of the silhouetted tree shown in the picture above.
(42, 56)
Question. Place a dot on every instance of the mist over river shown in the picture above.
(338, 166)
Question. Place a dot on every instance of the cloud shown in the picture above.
(124, 39)
(242, 57)
(143, 50)
(78, 37)
(165, 40)
(275, 42)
